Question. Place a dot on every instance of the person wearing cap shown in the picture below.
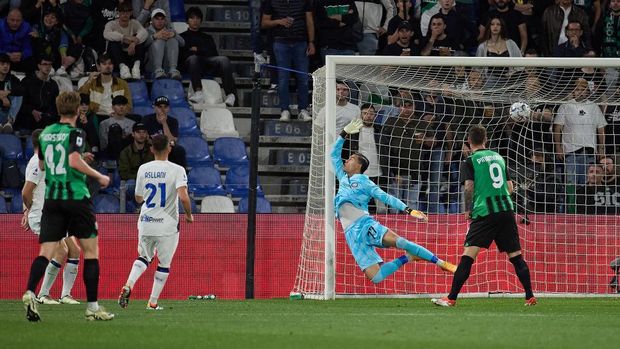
(199, 55)
(406, 11)
(11, 92)
(135, 154)
(15, 41)
(162, 123)
(405, 45)
(143, 9)
(163, 47)
(109, 128)
(126, 39)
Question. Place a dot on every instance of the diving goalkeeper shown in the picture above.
(362, 232)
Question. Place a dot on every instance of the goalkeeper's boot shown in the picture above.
(100, 315)
(30, 304)
(447, 266)
(48, 300)
(444, 302)
(531, 301)
(123, 298)
(151, 306)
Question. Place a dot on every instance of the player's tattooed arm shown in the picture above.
(469, 195)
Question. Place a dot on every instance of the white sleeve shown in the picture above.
(181, 178)
(600, 118)
(560, 115)
(34, 173)
(139, 182)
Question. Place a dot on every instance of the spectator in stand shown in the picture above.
(574, 46)
(495, 43)
(345, 110)
(88, 122)
(102, 87)
(103, 11)
(126, 39)
(592, 8)
(532, 11)
(514, 23)
(456, 26)
(163, 47)
(374, 23)
(579, 134)
(15, 42)
(406, 12)
(77, 20)
(199, 55)
(11, 93)
(612, 130)
(143, 9)
(34, 10)
(554, 17)
(292, 26)
(162, 123)
(608, 33)
(39, 104)
(115, 132)
(405, 45)
(438, 42)
(135, 154)
(334, 26)
(610, 177)
(596, 173)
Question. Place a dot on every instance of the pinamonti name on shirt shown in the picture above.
(488, 158)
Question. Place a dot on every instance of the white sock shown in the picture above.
(159, 281)
(136, 65)
(93, 306)
(50, 276)
(69, 275)
(139, 267)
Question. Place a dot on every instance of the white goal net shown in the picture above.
(562, 158)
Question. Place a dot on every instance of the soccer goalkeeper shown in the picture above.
(362, 232)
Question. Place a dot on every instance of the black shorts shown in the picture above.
(499, 227)
(67, 217)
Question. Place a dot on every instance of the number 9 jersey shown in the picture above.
(157, 183)
(488, 171)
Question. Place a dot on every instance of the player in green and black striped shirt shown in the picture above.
(490, 208)
(67, 207)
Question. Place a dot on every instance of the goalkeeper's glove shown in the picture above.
(417, 214)
(352, 127)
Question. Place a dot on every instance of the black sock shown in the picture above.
(523, 273)
(91, 278)
(37, 270)
(461, 275)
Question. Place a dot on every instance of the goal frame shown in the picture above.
(331, 63)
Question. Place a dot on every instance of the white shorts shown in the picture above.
(164, 246)
(34, 222)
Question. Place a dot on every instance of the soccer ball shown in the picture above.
(520, 111)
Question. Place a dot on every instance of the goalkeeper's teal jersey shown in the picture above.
(488, 171)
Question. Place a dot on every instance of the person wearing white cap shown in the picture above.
(142, 9)
(163, 47)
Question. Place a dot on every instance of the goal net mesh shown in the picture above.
(565, 191)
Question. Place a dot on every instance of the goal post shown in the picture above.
(568, 249)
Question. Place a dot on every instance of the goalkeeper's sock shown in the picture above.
(523, 273)
(139, 267)
(389, 268)
(460, 276)
(51, 271)
(416, 250)
(159, 281)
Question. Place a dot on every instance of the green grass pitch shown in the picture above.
(368, 323)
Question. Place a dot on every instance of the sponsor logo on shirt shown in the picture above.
(149, 219)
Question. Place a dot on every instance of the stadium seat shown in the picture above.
(193, 205)
(204, 181)
(217, 122)
(238, 181)
(11, 147)
(217, 204)
(229, 151)
(143, 110)
(170, 88)
(106, 203)
(212, 92)
(196, 151)
(139, 93)
(3, 208)
(187, 121)
(262, 205)
(115, 181)
(17, 203)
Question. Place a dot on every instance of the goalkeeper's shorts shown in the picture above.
(363, 236)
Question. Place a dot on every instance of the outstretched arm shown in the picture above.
(394, 202)
(352, 127)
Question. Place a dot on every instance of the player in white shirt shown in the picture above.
(33, 194)
(159, 186)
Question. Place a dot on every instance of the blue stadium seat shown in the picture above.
(115, 181)
(143, 109)
(106, 203)
(139, 93)
(29, 149)
(262, 205)
(17, 203)
(3, 208)
(192, 203)
(177, 11)
(196, 151)
(11, 147)
(170, 88)
(238, 181)
(187, 121)
(230, 151)
(203, 181)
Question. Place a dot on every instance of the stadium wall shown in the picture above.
(568, 253)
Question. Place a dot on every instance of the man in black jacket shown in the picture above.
(199, 55)
(334, 24)
(10, 95)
